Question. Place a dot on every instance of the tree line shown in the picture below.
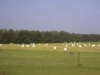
(26, 36)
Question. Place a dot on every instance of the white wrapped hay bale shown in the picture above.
(27, 46)
(54, 48)
(80, 46)
(65, 49)
(0, 44)
(93, 45)
(22, 46)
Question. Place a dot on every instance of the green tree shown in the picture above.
(11, 36)
(55, 35)
(38, 37)
(1, 33)
(48, 37)
(24, 36)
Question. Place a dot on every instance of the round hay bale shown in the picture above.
(71, 53)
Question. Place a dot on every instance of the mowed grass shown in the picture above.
(44, 60)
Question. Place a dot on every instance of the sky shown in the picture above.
(73, 16)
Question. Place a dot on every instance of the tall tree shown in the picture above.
(38, 37)
(11, 36)
(25, 36)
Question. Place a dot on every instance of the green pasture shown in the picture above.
(44, 60)
(60, 47)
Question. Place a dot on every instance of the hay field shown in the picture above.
(44, 60)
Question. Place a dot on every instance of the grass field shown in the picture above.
(44, 60)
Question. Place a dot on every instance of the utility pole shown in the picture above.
(79, 63)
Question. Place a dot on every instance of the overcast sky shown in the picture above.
(74, 16)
